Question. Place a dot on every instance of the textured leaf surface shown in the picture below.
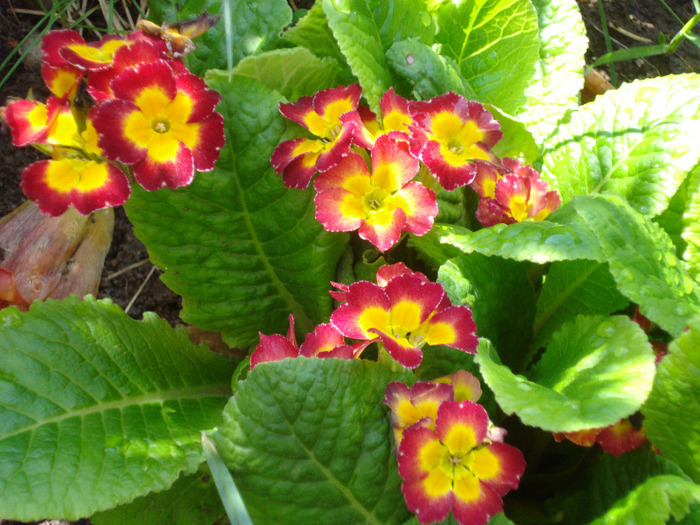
(501, 297)
(358, 35)
(639, 486)
(642, 260)
(608, 356)
(308, 441)
(572, 288)
(313, 33)
(491, 40)
(242, 251)
(639, 141)
(559, 71)
(97, 408)
(292, 72)
(254, 26)
(691, 226)
(673, 408)
(191, 500)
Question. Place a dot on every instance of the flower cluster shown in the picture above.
(146, 117)
(450, 136)
(450, 455)
(403, 312)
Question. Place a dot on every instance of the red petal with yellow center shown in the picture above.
(123, 131)
(474, 502)
(461, 426)
(621, 437)
(499, 466)
(410, 405)
(383, 228)
(150, 86)
(93, 56)
(365, 124)
(420, 205)
(338, 210)
(86, 184)
(490, 212)
(454, 327)
(513, 193)
(484, 183)
(387, 272)
(334, 151)
(321, 113)
(366, 306)
(322, 340)
(392, 165)
(426, 487)
(466, 386)
(395, 112)
(154, 172)
(272, 348)
(412, 301)
(201, 100)
(62, 81)
(28, 121)
(350, 174)
(52, 43)
(400, 349)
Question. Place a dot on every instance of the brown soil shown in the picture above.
(628, 22)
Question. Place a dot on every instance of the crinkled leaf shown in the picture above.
(572, 288)
(501, 297)
(192, 499)
(292, 72)
(242, 251)
(313, 33)
(639, 141)
(559, 70)
(610, 356)
(429, 73)
(691, 226)
(255, 26)
(308, 440)
(673, 410)
(563, 236)
(111, 404)
(642, 260)
(517, 141)
(358, 35)
(640, 486)
(492, 40)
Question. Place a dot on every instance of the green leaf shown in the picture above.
(492, 40)
(572, 288)
(639, 141)
(113, 405)
(610, 356)
(640, 485)
(672, 412)
(313, 33)
(654, 501)
(255, 26)
(358, 36)
(242, 251)
(191, 499)
(642, 260)
(309, 442)
(517, 141)
(429, 73)
(291, 72)
(559, 70)
(501, 297)
(691, 226)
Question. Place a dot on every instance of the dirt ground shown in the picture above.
(631, 23)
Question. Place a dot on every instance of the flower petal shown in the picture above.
(420, 205)
(52, 43)
(392, 165)
(93, 56)
(338, 210)
(400, 349)
(155, 171)
(454, 327)
(324, 339)
(461, 426)
(474, 502)
(499, 466)
(366, 306)
(272, 348)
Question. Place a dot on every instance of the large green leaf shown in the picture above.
(691, 225)
(492, 40)
(313, 33)
(97, 408)
(559, 71)
(610, 356)
(292, 72)
(242, 251)
(639, 141)
(358, 35)
(572, 288)
(673, 411)
(254, 27)
(642, 260)
(501, 297)
(191, 500)
(309, 442)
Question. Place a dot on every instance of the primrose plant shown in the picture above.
(440, 289)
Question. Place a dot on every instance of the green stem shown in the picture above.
(608, 44)
(682, 34)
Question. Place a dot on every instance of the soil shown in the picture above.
(628, 22)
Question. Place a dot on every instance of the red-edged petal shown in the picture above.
(400, 349)
(62, 81)
(350, 174)
(86, 184)
(331, 103)
(203, 99)
(28, 121)
(490, 212)
(420, 205)
(296, 161)
(337, 210)
(323, 339)
(272, 348)
(383, 228)
(484, 182)
(339, 293)
(410, 405)
(474, 502)
(387, 272)
(148, 85)
(499, 466)
(154, 173)
(450, 175)
(363, 137)
(461, 426)
(395, 112)
(366, 306)
(454, 327)
(466, 386)
(114, 121)
(392, 165)
(412, 301)
(621, 437)
(333, 152)
(52, 43)
(210, 139)
(94, 56)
